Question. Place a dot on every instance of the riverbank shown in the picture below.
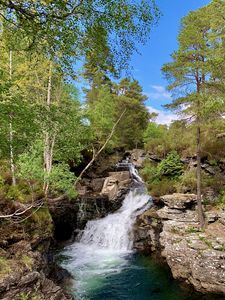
(195, 257)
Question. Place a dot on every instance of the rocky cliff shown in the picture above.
(170, 229)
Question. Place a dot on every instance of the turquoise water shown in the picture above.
(137, 278)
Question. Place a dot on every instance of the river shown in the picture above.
(105, 267)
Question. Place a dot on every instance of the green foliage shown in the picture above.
(2, 182)
(61, 180)
(14, 193)
(30, 169)
(163, 177)
(30, 163)
(102, 114)
(154, 132)
(162, 187)
(68, 29)
(187, 182)
(130, 98)
(171, 166)
(24, 296)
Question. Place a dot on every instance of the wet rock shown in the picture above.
(115, 181)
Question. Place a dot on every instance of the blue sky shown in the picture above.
(156, 52)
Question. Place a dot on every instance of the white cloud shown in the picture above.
(158, 93)
(163, 116)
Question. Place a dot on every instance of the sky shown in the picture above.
(162, 43)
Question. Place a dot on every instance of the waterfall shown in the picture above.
(134, 173)
(113, 232)
(105, 244)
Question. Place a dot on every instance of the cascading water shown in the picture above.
(105, 267)
(113, 232)
(105, 245)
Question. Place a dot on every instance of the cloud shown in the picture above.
(158, 93)
(163, 116)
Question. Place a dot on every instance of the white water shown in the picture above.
(104, 246)
(134, 173)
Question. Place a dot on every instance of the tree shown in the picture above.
(188, 72)
(62, 27)
(129, 97)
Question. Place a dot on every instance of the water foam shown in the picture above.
(105, 245)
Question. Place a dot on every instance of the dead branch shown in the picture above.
(95, 155)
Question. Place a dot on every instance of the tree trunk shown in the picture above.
(48, 149)
(11, 150)
(201, 216)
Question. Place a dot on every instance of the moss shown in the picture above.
(192, 229)
(4, 266)
(24, 296)
(41, 222)
(206, 241)
(27, 261)
(14, 193)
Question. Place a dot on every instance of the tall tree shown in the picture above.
(188, 73)
(129, 97)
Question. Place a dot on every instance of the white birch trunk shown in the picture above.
(11, 150)
(48, 141)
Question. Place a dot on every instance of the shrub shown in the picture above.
(187, 182)
(162, 187)
(62, 180)
(14, 193)
(171, 166)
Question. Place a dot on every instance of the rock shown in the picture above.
(110, 187)
(191, 260)
(120, 176)
(114, 182)
(24, 276)
(137, 157)
(179, 201)
(211, 216)
(97, 184)
(167, 213)
(194, 257)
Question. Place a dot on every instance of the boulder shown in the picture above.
(179, 201)
(116, 181)
(137, 157)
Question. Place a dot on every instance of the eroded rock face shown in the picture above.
(195, 257)
(22, 275)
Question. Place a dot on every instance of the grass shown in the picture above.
(207, 242)
(27, 261)
(4, 266)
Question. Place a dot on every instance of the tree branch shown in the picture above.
(101, 149)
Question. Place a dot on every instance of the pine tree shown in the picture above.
(188, 73)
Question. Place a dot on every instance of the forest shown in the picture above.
(52, 133)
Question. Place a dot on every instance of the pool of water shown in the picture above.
(107, 276)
